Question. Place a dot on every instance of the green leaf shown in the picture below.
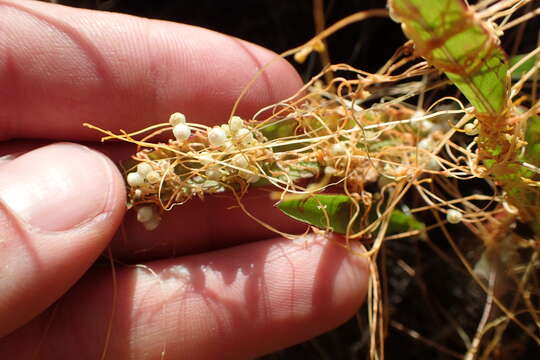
(312, 210)
(302, 170)
(401, 222)
(336, 210)
(278, 129)
(449, 35)
(523, 68)
(532, 136)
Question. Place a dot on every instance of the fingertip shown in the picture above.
(61, 186)
(59, 207)
(350, 282)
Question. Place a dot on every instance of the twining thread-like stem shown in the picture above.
(347, 154)
(452, 38)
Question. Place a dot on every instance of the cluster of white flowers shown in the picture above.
(429, 144)
(231, 152)
(233, 137)
(148, 216)
(144, 173)
(181, 130)
(392, 173)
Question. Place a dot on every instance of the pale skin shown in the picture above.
(225, 286)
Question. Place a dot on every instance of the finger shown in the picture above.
(59, 207)
(236, 303)
(118, 152)
(199, 225)
(61, 67)
(203, 225)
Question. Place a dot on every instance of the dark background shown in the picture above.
(276, 24)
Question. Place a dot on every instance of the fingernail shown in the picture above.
(57, 187)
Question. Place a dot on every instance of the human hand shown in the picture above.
(231, 291)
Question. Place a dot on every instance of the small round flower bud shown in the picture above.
(145, 213)
(329, 170)
(433, 164)
(144, 168)
(427, 144)
(249, 176)
(338, 149)
(236, 123)
(252, 178)
(152, 224)
(226, 129)
(177, 119)
(453, 216)
(240, 161)
(137, 194)
(206, 158)
(181, 132)
(217, 136)
(164, 164)
(135, 179)
(153, 177)
(245, 136)
(229, 146)
(213, 173)
(471, 129)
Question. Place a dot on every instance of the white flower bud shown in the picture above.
(217, 136)
(236, 123)
(338, 149)
(213, 173)
(206, 158)
(181, 132)
(249, 176)
(229, 146)
(471, 129)
(164, 164)
(153, 177)
(240, 161)
(453, 216)
(245, 136)
(177, 119)
(432, 164)
(425, 125)
(252, 178)
(427, 144)
(145, 213)
(329, 170)
(152, 224)
(144, 168)
(226, 129)
(138, 194)
(135, 179)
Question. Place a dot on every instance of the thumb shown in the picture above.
(59, 207)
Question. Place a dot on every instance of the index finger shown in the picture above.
(61, 67)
